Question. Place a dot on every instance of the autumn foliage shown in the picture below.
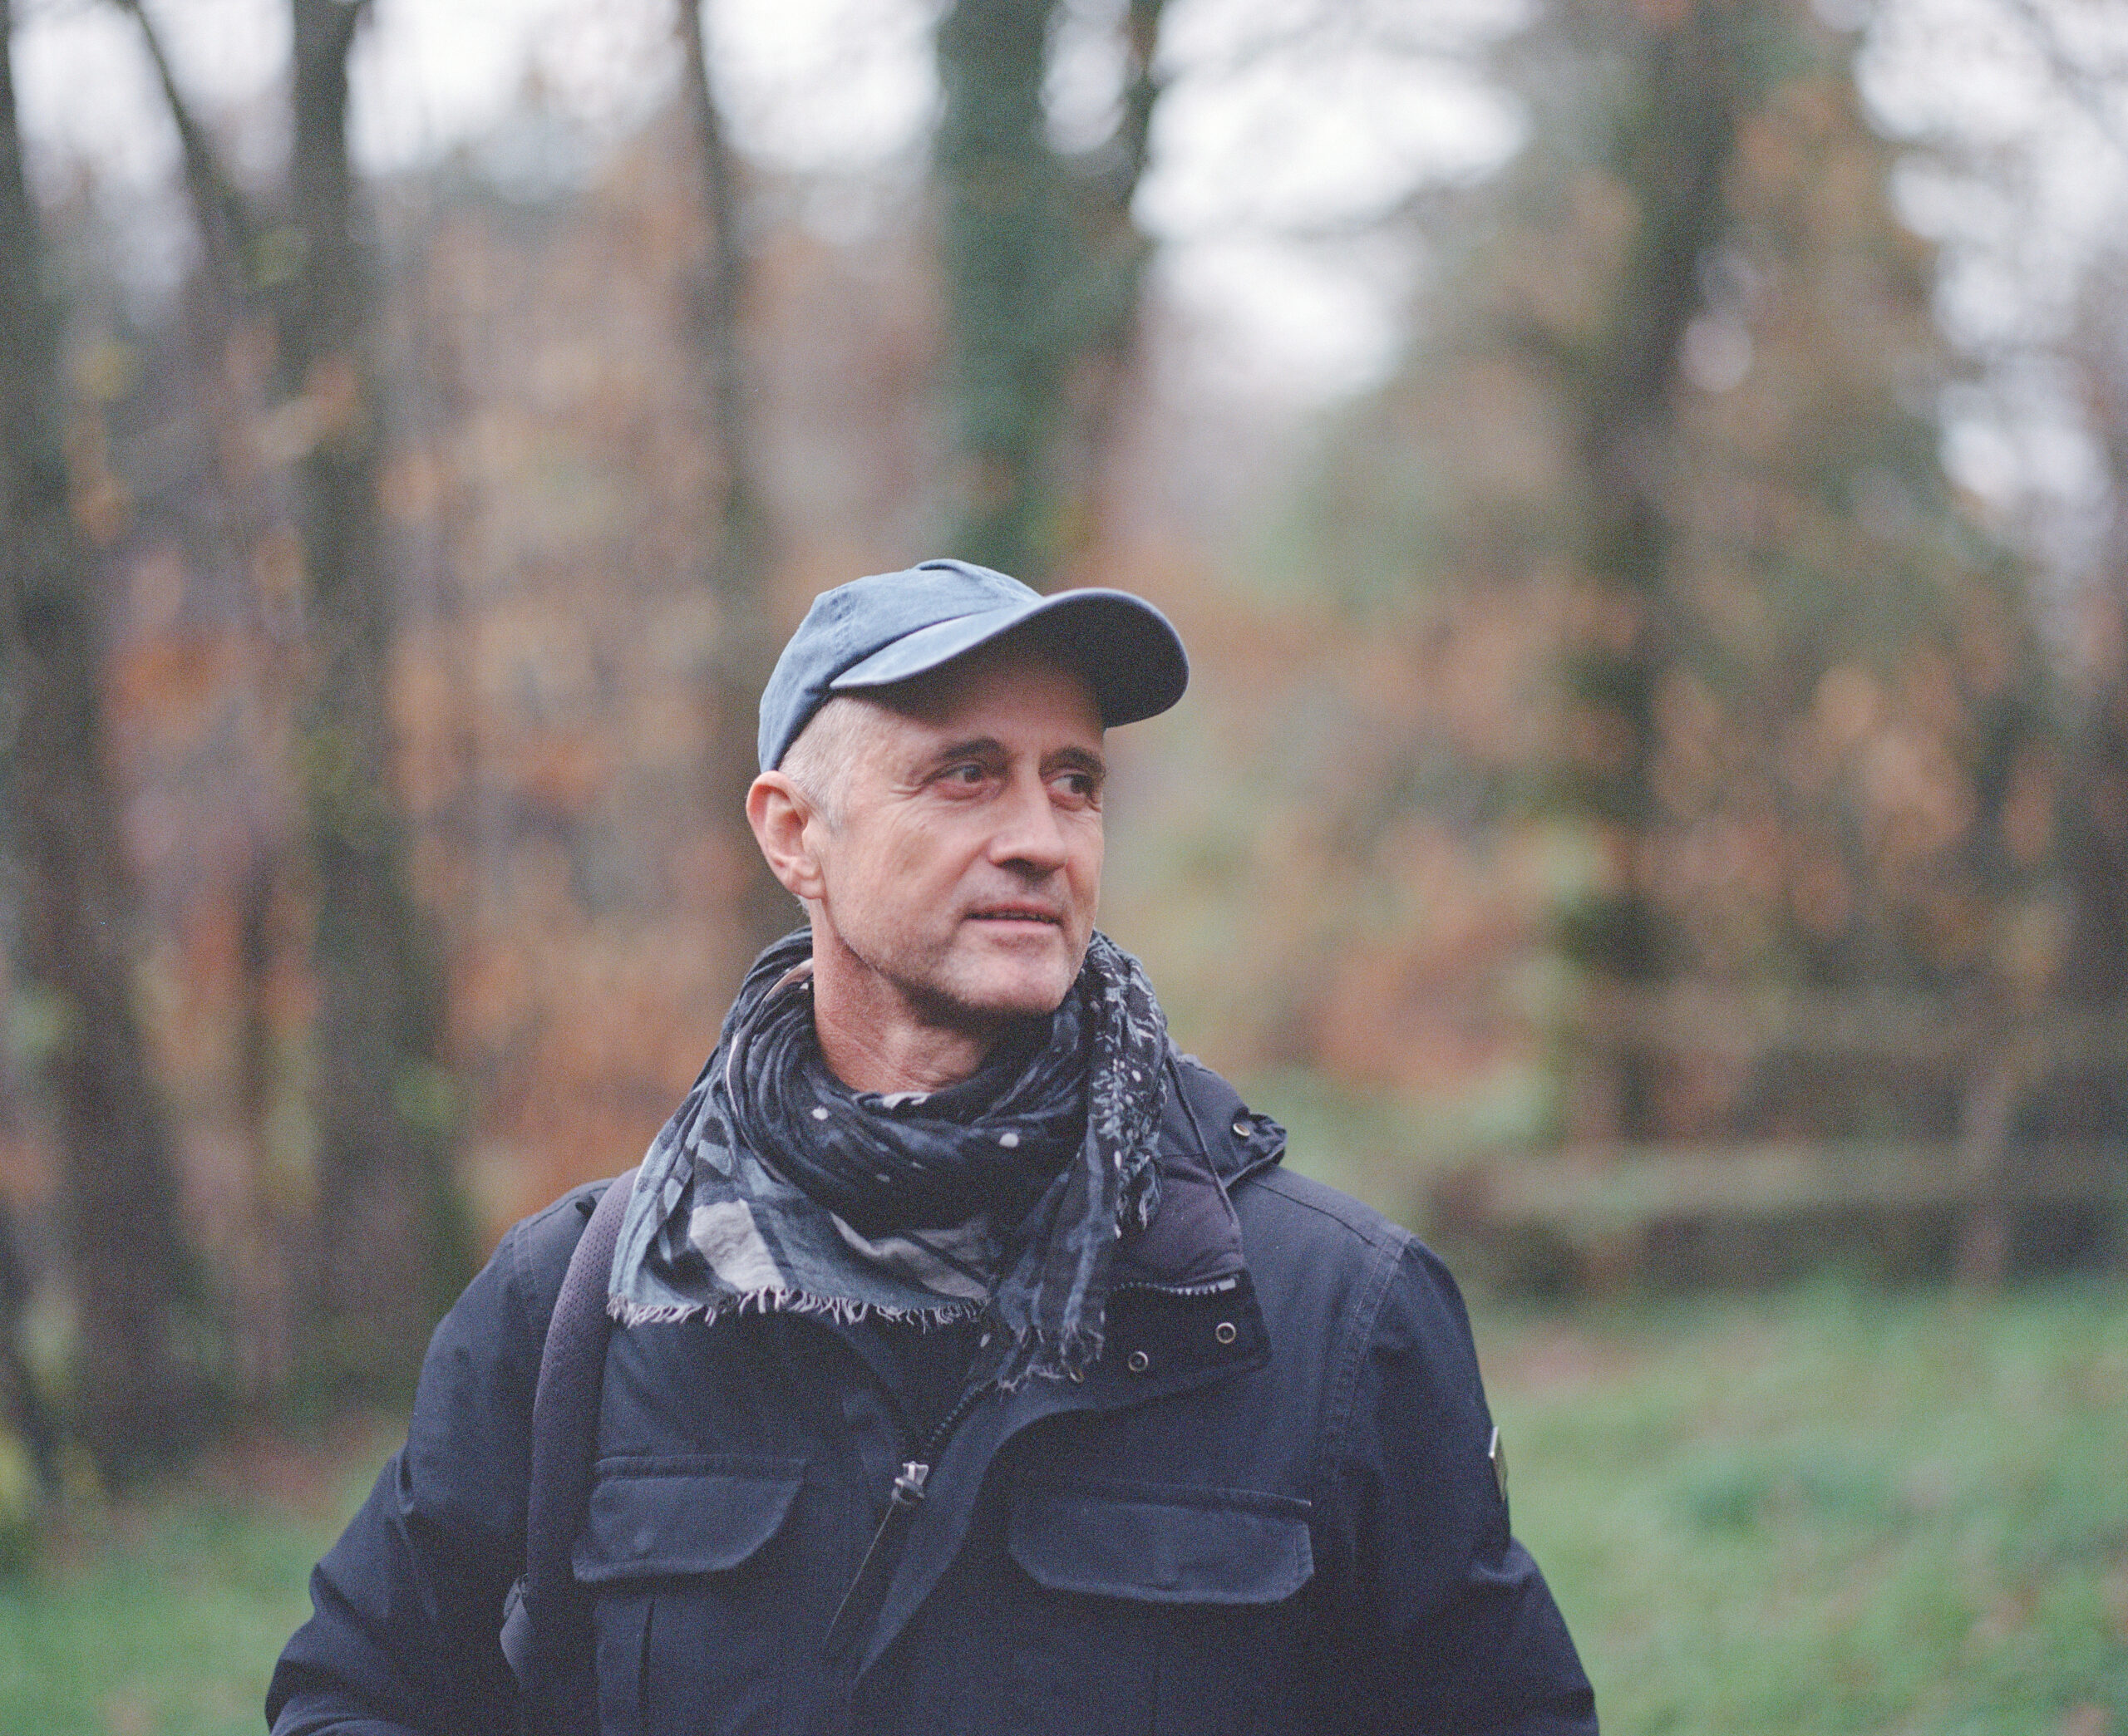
(1627, 641)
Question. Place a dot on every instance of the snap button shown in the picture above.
(1241, 1126)
(1137, 1362)
(1223, 1332)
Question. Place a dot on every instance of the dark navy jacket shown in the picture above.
(1268, 1510)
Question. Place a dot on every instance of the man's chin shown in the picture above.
(1005, 1007)
(1002, 996)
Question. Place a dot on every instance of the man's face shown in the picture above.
(958, 888)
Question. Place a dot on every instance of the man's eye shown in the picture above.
(968, 773)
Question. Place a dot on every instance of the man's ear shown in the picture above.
(781, 817)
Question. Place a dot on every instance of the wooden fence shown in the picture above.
(1610, 1216)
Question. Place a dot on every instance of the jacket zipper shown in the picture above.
(1210, 1286)
(861, 1601)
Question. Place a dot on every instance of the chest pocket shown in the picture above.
(1158, 1609)
(694, 1563)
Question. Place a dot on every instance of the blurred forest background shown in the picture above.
(1645, 485)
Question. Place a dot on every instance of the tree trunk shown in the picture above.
(2090, 1101)
(757, 908)
(233, 310)
(391, 1240)
(1116, 255)
(133, 1276)
(1010, 266)
(1044, 268)
(1676, 131)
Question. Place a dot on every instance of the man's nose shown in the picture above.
(1028, 830)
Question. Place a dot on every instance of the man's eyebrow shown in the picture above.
(989, 747)
(1080, 757)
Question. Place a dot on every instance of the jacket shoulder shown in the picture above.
(535, 1251)
(1307, 1208)
(1317, 1254)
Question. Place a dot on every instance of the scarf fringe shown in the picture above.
(846, 1311)
(1027, 1360)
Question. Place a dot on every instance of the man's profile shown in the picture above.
(974, 1366)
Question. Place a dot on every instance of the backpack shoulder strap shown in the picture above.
(545, 1634)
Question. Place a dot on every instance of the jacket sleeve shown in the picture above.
(1442, 1623)
(408, 1604)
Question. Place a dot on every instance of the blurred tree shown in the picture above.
(240, 296)
(1043, 268)
(737, 569)
(1850, 742)
(390, 1245)
(228, 236)
(1690, 71)
(136, 1399)
(2093, 818)
(1671, 425)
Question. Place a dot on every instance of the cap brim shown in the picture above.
(1130, 655)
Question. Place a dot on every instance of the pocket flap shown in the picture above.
(1209, 1547)
(649, 1520)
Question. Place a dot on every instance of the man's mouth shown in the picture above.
(1016, 913)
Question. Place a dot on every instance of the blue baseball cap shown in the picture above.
(873, 632)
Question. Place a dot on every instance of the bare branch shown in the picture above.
(227, 230)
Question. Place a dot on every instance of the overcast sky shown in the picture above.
(1268, 128)
(1282, 120)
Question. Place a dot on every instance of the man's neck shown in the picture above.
(875, 1039)
(921, 1058)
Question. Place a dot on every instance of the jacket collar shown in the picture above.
(1237, 1141)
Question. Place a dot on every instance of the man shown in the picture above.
(976, 1367)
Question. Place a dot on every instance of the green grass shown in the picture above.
(1832, 1511)
(164, 1619)
(1829, 1510)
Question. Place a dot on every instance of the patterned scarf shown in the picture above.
(775, 1185)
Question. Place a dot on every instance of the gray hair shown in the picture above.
(820, 761)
